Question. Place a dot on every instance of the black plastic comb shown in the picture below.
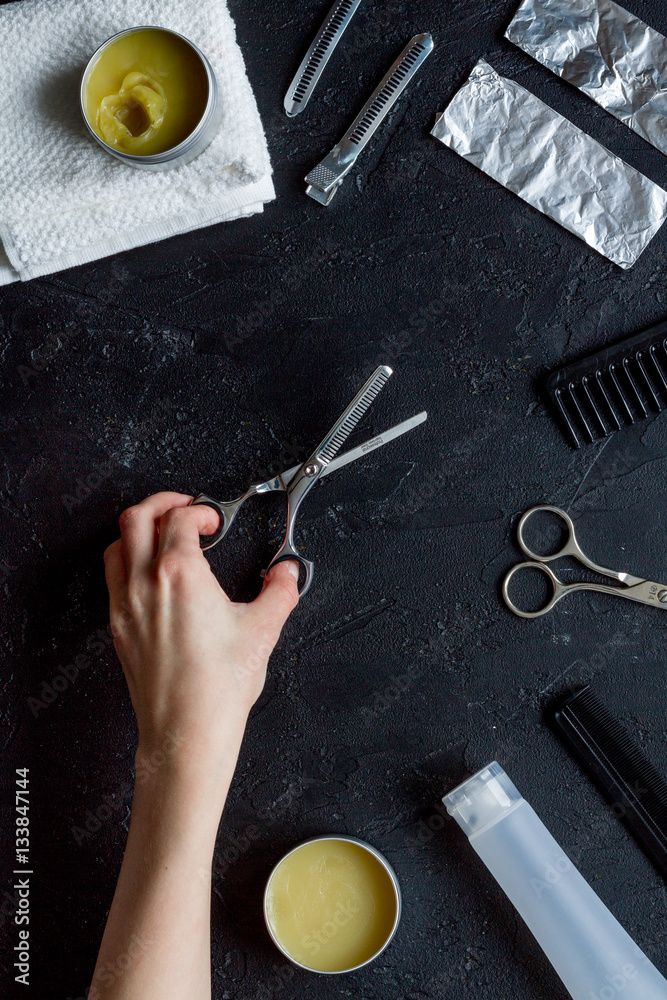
(630, 782)
(613, 388)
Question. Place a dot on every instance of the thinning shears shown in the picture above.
(633, 587)
(299, 480)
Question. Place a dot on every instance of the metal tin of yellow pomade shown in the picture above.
(192, 144)
(386, 894)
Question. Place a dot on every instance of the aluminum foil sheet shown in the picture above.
(533, 151)
(605, 51)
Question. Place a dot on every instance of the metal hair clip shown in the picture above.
(324, 180)
(318, 55)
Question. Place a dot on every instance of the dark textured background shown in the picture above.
(194, 364)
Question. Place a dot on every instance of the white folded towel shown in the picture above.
(63, 199)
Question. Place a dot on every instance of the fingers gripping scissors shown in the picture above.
(633, 587)
(298, 481)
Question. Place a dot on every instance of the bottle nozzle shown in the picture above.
(482, 800)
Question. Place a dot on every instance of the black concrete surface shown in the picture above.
(205, 360)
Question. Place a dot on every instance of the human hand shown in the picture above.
(194, 661)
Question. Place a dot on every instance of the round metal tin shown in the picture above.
(200, 137)
(397, 895)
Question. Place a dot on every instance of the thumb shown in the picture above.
(278, 597)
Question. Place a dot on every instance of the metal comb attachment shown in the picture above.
(613, 388)
(318, 55)
(324, 180)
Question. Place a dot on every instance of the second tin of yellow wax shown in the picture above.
(332, 904)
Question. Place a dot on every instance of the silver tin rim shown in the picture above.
(397, 895)
(193, 141)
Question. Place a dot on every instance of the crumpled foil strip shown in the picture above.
(605, 51)
(533, 151)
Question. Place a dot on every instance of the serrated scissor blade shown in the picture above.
(362, 449)
(348, 420)
(317, 56)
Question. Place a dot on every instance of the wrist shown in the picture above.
(189, 770)
(180, 806)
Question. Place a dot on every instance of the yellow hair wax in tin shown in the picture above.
(149, 96)
(332, 904)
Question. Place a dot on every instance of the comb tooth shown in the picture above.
(572, 386)
(651, 390)
(628, 374)
(653, 349)
(558, 395)
(607, 398)
(621, 395)
(593, 405)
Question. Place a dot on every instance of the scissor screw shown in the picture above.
(662, 596)
(310, 470)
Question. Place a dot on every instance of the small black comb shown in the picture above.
(613, 388)
(628, 779)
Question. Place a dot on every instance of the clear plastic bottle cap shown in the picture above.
(483, 799)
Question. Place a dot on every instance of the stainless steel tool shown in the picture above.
(324, 180)
(318, 55)
(298, 481)
(632, 587)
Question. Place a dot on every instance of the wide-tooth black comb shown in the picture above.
(613, 388)
(630, 782)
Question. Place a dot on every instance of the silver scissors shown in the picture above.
(299, 480)
(633, 587)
